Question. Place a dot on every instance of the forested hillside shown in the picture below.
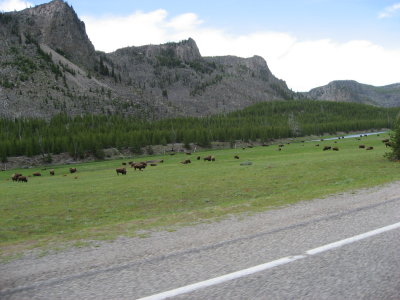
(90, 134)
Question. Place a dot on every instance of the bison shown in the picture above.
(236, 157)
(140, 166)
(388, 144)
(120, 170)
(22, 179)
(15, 176)
(52, 172)
(186, 161)
(335, 149)
(72, 170)
(327, 148)
(385, 141)
(37, 174)
(370, 148)
(361, 146)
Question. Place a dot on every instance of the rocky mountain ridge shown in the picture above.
(50, 66)
(353, 91)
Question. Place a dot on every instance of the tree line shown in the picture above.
(80, 135)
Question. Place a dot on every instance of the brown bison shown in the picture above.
(124, 163)
(327, 148)
(15, 176)
(22, 179)
(186, 161)
(385, 141)
(72, 170)
(52, 172)
(120, 170)
(236, 157)
(208, 158)
(388, 144)
(140, 166)
(370, 148)
(335, 149)
(361, 146)
(153, 165)
(198, 157)
(37, 174)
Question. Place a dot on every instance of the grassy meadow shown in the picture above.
(95, 203)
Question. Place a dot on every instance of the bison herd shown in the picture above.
(20, 178)
(142, 165)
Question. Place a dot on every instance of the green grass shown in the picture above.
(98, 204)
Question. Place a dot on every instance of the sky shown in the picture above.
(307, 43)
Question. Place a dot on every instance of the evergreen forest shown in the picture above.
(90, 134)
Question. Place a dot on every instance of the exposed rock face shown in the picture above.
(57, 25)
(50, 66)
(352, 91)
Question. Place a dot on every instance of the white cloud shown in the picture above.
(11, 5)
(302, 64)
(389, 11)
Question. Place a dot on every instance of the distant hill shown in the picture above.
(352, 91)
(49, 66)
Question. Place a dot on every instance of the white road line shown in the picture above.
(266, 266)
(352, 239)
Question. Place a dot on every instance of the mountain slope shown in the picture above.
(50, 66)
(352, 91)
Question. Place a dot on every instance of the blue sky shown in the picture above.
(305, 42)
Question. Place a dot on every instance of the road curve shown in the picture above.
(365, 268)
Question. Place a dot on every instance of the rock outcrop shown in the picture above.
(50, 67)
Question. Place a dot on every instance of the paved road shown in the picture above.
(134, 268)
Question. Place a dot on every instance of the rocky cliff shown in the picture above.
(50, 66)
(352, 91)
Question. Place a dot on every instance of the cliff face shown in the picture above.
(352, 91)
(57, 25)
(50, 66)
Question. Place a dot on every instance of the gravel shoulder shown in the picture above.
(33, 269)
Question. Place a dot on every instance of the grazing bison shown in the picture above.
(124, 163)
(186, 161)
(370, 148)
(385, 141)
(388, 144)
(22, 179)
(198, 157)
(327, 148)
(72, 170)
(281, 145)
(236, 157)
(52, 172)
(140, 166)
(37, 174)
(335, 149)
(15, 176)
(153, 165)
(208, 158)
(361, 146)
(317, 145)
(120, 170)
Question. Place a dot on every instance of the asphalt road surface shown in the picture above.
(343, 247)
